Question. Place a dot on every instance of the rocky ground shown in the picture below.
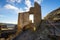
(40, 34)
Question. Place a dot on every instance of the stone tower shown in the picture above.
(37, 14)
(23, 18)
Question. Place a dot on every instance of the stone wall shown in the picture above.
(37, 14)
(23, 18)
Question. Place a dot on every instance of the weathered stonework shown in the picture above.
(23, 18)
(47, 30)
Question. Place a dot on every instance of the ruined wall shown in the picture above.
(20, 21)
(23, 18)
(37, 14)
(26, 18)
(36, 10)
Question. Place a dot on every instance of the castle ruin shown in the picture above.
(48, 29)
(23, 18)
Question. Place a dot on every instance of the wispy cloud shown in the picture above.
(8, 6)
(18, 1)
(28, 4)
(38, 1)
(12, 7)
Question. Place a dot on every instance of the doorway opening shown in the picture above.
(31, 18)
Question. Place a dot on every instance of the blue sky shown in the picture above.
(9, 9)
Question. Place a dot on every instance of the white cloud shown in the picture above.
(21, 10)
(25, 9)
(28, 4)
(8, 6)
(18, 1)
(38, 1)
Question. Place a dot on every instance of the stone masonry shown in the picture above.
(23, 18)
